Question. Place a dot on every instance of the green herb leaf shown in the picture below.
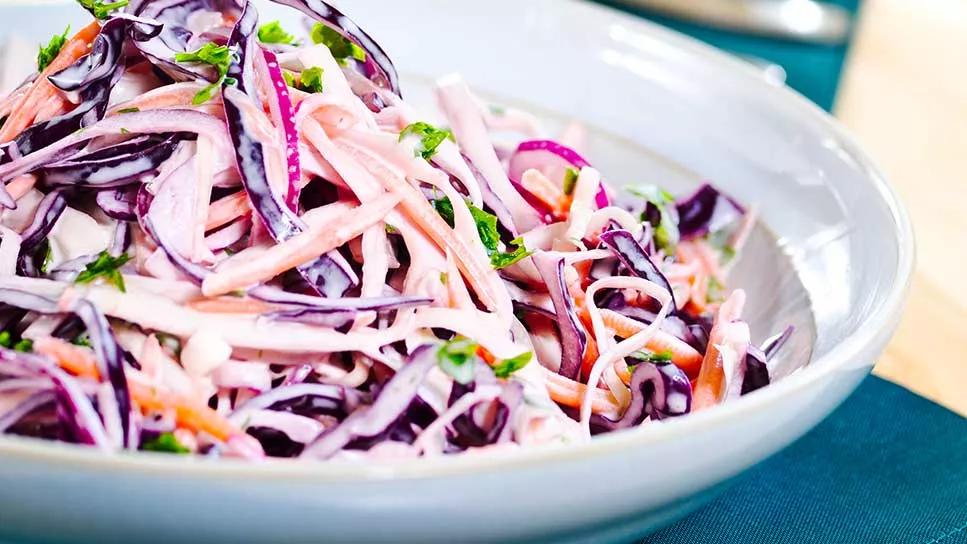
(125, 131)
(570, 180)
(49, 52)
(648, 356)
(105, 266)
(430, 137)
(25, 345)
(666, 233)
(310, 80)
(715, 291)
(456, 358)
(444, 207)
(505, 368)
(274, 33)
(129, 110)
(487, 229)
(218, 56)
(165, 443)
(48, 257)
(342, 48)
(102, 10)
(82, 339)
(503, 260)
(444, 278)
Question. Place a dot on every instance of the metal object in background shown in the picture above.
(803, 20)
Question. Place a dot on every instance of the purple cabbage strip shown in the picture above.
(176, 35)
(757, 359)
(485, 423)
(574, 340)
(706, 210)
(306, 399)
(395, 397)
(119, 203)
(623, 244)
(48, 212)
(92, 77)
(330, 275)
(109, 354)
(658, 391)
(34, 402)
(378, 67)
(126, 167)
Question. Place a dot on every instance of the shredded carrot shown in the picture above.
(188, 413)
(227, 209)
(21, 185)
(571, 393)
(231, 305)
(80, 362)
(25, 111)
(683, 355)
(545, 190)
(77, 360)
(710, 383)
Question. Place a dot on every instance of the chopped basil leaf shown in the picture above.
(49, 52)
(105, 266)
(456, 359)
(570, 180)
(505, 368)
(274, 33)
(101, 10)
(342, 49)
(430, 138)
(165, 443)
(218, 56)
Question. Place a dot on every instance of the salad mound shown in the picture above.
(226, 237)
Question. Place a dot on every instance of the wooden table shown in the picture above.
(904, 95)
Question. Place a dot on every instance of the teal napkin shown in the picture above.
(811, 69)
(887, 467)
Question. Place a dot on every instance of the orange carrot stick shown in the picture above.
(227, 209)
(189, 414)
(683, 355)
(25, 111)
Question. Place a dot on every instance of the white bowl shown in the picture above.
(665, 109)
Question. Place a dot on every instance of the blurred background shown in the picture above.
(895, 73)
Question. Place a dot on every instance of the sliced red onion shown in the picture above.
(391, 402)
(378, 67)
(287, 119)
(623, 244)
(658, 391)
(574, 340)
(706, 210)
(551, 159)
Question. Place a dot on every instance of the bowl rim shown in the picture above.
(872, 334)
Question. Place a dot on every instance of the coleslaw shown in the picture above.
(223, 237)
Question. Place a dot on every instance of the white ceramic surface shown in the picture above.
(664, 109)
